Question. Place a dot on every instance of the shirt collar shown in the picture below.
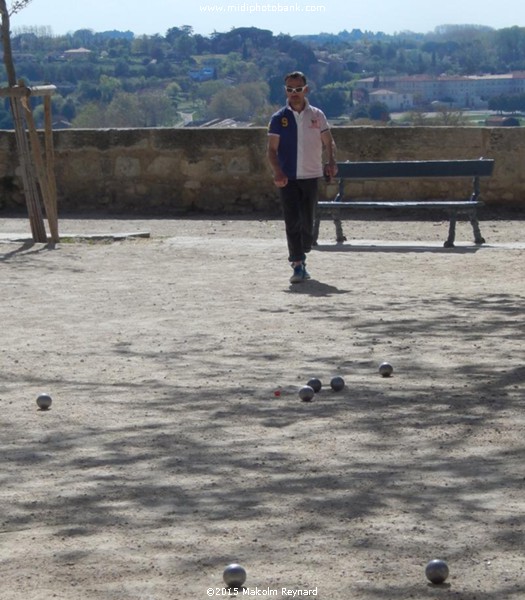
(306, 105)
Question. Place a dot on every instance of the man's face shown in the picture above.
(295, 91)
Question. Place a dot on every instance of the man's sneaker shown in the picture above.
(298, 274)
(306, 275)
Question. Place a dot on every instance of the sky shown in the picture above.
(280, 16)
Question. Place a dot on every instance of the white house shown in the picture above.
(394, 101)
(77, 53)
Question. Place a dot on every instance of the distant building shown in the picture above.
(394, 101)
(77, 53)
(469, 91)
(202, 74)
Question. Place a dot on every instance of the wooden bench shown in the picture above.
(408, 169)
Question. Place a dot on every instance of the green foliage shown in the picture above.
(226, 104)
(241, 102)
(152, 73)
(360, 112)
(108, 87)
(91, 116)
(378, 112)
(375, 111)
(508, 103)
(206, 90)
(334, 101)
(6, 119)
(510, 46)
(148, 109)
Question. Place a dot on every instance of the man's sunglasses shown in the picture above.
(296, 90)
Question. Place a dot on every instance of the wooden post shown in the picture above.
(19, 96)
(50, 152)
(34, 210)
(42, 172)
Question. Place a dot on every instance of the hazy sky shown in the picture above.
(280, 16)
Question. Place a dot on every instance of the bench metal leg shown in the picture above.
(451, 231)
(478, 238)
(339, 235)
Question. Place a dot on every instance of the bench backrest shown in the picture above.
(415, 168)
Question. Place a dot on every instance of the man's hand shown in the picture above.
(280, 179)
(330, 170)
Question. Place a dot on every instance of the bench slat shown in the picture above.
(482, 167)
(334, 204)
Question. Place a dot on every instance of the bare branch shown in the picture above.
(18, 5)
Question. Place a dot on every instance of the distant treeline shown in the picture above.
(158, 80)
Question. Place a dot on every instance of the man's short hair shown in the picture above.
(295, 75)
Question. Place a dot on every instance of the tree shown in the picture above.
(124, 111)
(378, 111)
(508, 103)
(242, 102)
(122, 68)
(207, 89)
(173, 92)
(157, 109)
(445, 118)
(359, 112)
(181, 40)
(109, 86)
(83, 37)
(92, 115)
(510, 45)
(148, 108)
(334, 101)
(224, 105)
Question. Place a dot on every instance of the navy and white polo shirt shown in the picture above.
(300, 149)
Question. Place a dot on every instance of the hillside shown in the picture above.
(118, 79)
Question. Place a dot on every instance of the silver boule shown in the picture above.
(436, 571)
(315, 384)
(337, 383)
(234, 575)
(44, 401)
(386, 369)
(306, 393)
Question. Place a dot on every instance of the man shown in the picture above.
(297, 135)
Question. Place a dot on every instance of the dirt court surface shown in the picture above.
(167, 453)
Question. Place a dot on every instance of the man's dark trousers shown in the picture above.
(299, 199)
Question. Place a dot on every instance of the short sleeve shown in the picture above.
(274, 126)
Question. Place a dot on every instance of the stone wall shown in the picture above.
(225, 170)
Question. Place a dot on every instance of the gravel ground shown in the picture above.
(176, 443)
